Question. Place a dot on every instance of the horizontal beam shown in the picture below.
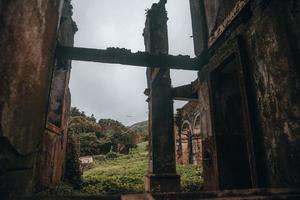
(126, 57)
(185, 93)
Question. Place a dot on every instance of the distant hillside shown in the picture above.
(140, 125)
(140, 129)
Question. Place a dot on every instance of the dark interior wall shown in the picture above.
(27, 42)
(216, 11)
(277, 88)
(210, 170)
(230, 129)
(270, 54)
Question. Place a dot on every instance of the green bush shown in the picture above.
(72, 165)
(100, 138)
(191, 178)
(59, 190)
(111, 155)
(100, 158)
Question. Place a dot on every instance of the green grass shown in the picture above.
(126, 174)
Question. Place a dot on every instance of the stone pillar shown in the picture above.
(50, 163)
(199, 24)
(28, 32)
(178, 122)
(161, 175)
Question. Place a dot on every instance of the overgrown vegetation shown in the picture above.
(126, 174)
(101, 137)
(73, 171)
(120, 162)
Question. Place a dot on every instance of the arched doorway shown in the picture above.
(186, 132)
(197, 138)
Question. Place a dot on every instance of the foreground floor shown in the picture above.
(250, 194)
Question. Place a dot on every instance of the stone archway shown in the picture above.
(186, 143)
(197, 137)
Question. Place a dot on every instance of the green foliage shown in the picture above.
(75, 112)
(124, 174)
(191, 178)
(99, 158)
(110, 125)
(73, 173)
(80, 125)
(91, 145)
(111, 156)
(102, 137)
(59, 190)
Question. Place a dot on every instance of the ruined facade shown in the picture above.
(187, 134)
(249, 92)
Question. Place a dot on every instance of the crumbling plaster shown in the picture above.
(28, 32)
(270, 56)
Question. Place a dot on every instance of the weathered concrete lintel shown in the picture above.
(126, 57)
(178, 95)
(182, 93)
(185, 93)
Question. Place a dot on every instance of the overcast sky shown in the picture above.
(116, 91)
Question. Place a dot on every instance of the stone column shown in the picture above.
(50, 163)
(199, 24)
(161, 175)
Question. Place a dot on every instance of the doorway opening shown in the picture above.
(230, 127)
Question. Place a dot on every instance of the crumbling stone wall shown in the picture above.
(208, 146)
(28, 32)
(51, 160)
(188, 134)
(269, 52)
(276, 85)
(216, 11)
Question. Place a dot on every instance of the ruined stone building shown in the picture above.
(187, 134)
(247, 96)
